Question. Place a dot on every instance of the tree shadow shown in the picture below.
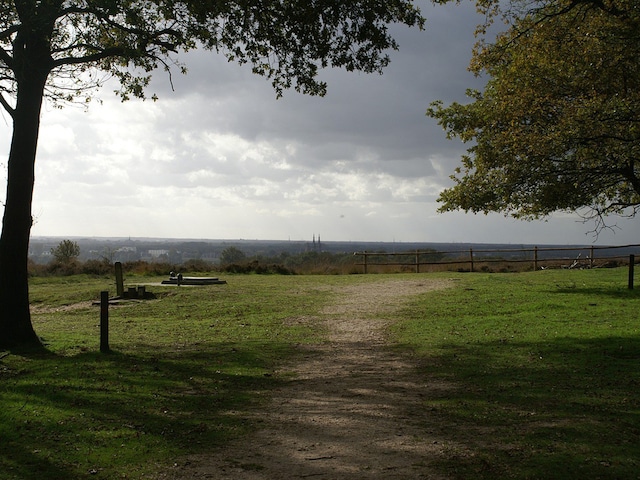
(563, 408)
(95, 413)
(622, 292)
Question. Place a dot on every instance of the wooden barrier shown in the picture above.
(537, 256)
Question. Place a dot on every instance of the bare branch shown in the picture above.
(3, 101)
(6, 58)
(92, 58)
(6, 34)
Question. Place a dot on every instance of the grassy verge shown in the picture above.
(180, 366)
(536, 375)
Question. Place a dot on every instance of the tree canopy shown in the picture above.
(557, 127)
(66, 251)
(232, 255)
(286, 41)
(64, 50)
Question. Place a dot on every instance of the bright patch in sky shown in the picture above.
(220, 157)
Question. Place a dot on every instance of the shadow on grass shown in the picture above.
(567, 408)
(109, 415)
(622, 293)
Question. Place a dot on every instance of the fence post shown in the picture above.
(104, 322)
(364, 254)
(591, 258)
(417, 261)
(535, 259)
(471, 257)
(632, 261)
(119, 280)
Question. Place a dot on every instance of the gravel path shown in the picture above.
(351, 411)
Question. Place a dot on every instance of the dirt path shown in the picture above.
(350, 412)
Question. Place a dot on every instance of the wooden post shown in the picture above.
(417, 261)
(119, 280)
(591, 258)
(632, 261)
(364, 254)
(104, 322)
(535, 259)
(471, 257)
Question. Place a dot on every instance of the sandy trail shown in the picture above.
(353, 411)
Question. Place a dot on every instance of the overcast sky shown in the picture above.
(221, 158)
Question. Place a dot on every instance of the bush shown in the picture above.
(97, 267)
(197, 265)
(36, 269)
(256, 267)
(141, 267)
(63, 269)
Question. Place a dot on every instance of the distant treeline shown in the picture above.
(232, 260)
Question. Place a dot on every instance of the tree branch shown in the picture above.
(95, 57)
(9, 31)
(6, 58)
(3, 101)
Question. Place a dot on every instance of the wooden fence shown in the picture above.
(539, 257)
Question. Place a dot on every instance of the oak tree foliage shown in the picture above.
(64, 49)
(557, 126)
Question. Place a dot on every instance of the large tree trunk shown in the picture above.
(15, 319)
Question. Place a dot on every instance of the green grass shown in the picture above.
(537, 374)
(534, 375)
(180, 366)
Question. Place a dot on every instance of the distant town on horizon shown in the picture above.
(174, 250)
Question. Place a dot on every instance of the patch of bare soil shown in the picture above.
(62, 308)
(353, 410)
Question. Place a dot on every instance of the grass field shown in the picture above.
(539, 372)
(179, 365)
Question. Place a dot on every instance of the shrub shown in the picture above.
(140, 267)
(97, 267)
(197, 265)
(63, 269)
(257, 267)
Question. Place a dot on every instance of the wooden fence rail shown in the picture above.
(537, 256)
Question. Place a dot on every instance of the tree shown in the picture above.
(56, 49)
(66, 251)
(232, 255)
(557, 127)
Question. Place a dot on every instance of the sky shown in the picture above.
(219, 157)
